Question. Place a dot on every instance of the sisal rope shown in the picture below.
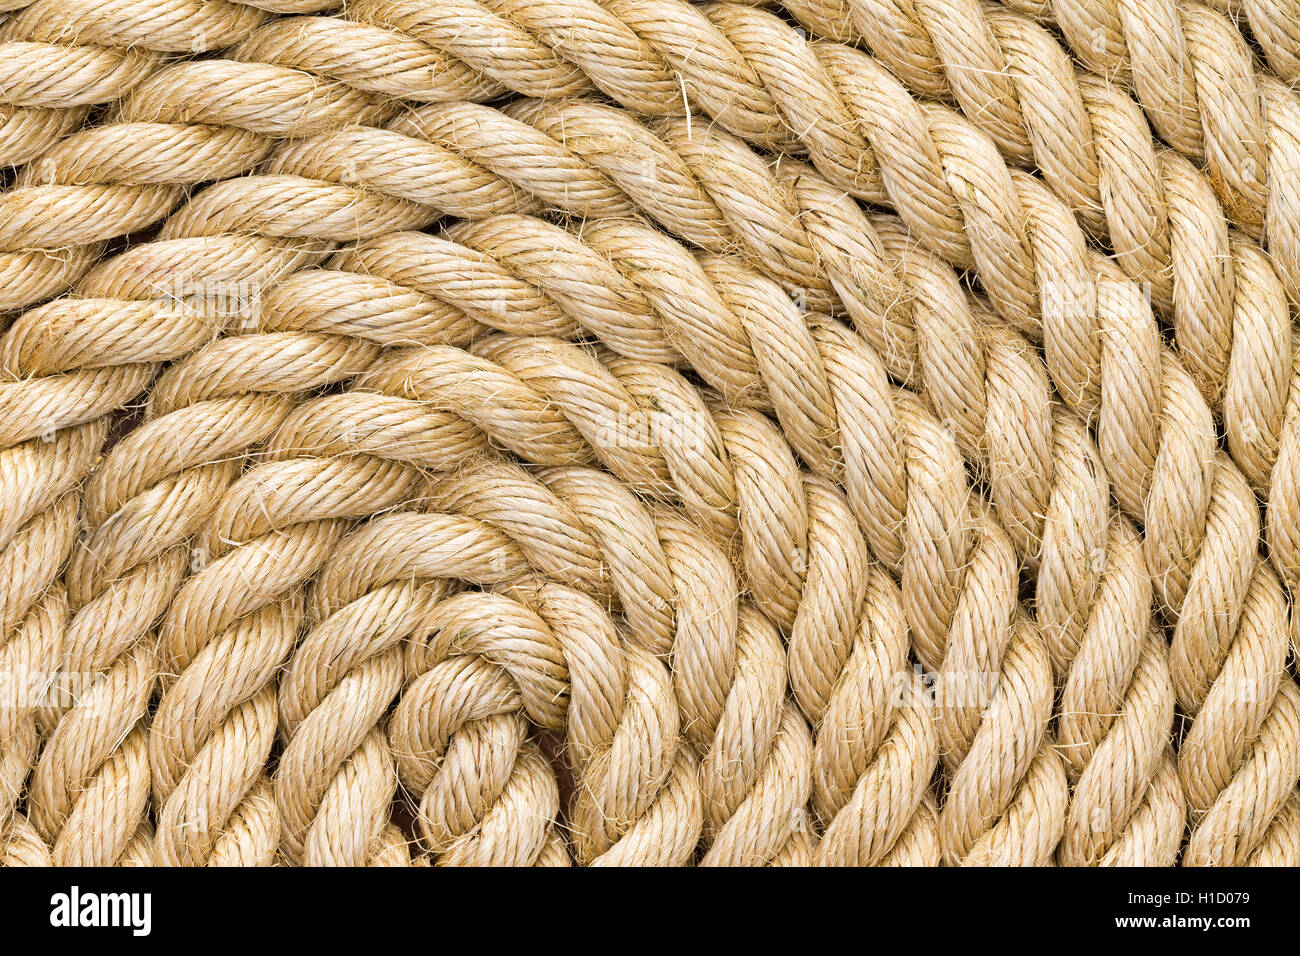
(313, 543)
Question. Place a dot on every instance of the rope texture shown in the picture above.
(408, 457)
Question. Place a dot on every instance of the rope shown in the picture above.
(665, 504)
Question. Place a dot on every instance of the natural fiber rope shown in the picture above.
(487, 796)
(165, 391)
(553, 246)
(1018, 85)
(758, 350)
(418, 373)
(1256, 408)
(1193, 72)
(1135, 475)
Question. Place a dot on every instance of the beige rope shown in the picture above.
(777, 585)
(403, 263)
(181, 126)
(1132, 474)
(865, 133)
(73, 373)
(389, 558)
(765, 235)
(1019, 86)
(21, 845)
(434, 448)
(1198, 82)
(1013, 384)
(58, 59)
(103, 648)
(486, 794)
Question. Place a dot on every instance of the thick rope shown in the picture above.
(486, 794)
(864, 133)
(1019, 86)
(740, 331)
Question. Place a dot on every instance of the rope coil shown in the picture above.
(510, 432)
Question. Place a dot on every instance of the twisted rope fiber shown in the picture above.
(95, 366)
(199, 748)
(796, 320)
(191, 123)
(425, 377)
(236, 618)
(280, 219)
(1176, 243)
(388, 445)
(1018, 85)
(857, 108)
(165, 390)
(58, 60)
(614, 520)
(1015, 81)
(922, 52)
(1264, 435)
(485, 796)
(393, 549)
(1084, 391)
(746, 190)
(758, 189)
(1193, 72)
(333, 416)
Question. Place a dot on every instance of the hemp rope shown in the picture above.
(1275, 520)
(390, 550)
(1015, 82)
(622, 712)
(1194, 74)
(855, 93)
(405, 377)
(774, 590)
(477, 497)
(487, 796)
(552, 245)
(1134, 476)
(251, 271)
(124, 555)
(224, 376)
(332, 416)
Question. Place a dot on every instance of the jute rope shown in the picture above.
(406, 377)
(372, 594)
(440, 365)
(807, 578)
(1013, 383)
(798, 320)
(865, 134)
(121, 581)
(1015, 81)
(487, 795)
(1197, 79)
(1019, 86)
(796, 520)
(1135, 471)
